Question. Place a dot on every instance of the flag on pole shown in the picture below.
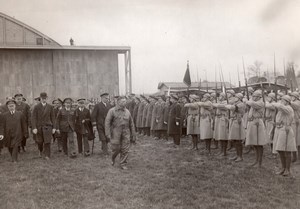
(187, 77)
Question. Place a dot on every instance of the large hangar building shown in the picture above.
(31, 62)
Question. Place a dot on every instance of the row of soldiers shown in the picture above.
(257, 121)
(231, 118)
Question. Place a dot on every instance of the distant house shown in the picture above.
(164, 87)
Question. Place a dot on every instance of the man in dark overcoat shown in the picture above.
(25, 109)
(82, 117)
(98, 120)
(13, 129)
(174, 120)
(65, 126)
(43, 122)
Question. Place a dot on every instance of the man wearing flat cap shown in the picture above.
(120, 129)
(83, 127)
(43, 121)
(98, 120)
(57, 105)
(65, 126)
(13, 129)
(25, 109)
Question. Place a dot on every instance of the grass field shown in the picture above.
(159, 176)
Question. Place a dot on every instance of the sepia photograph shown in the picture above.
(149, 104)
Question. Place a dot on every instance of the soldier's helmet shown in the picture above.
(194, 97)
(222, 94)
(287, 98)
(250, 90)
(231, 91)
(295, 94)
(239, 95)
(206, 96)
(213, 95)
(272, 95)
(257, 93)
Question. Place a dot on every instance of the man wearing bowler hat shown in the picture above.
(43, 120)
(13, 129)
(98, 120)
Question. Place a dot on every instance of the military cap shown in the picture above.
(295, 94)
(9, 101)
(37, 99)
(104, 94)
(56, 100)
(174, 96)
(138, 99)
(250, 90)
(116, 97)
(271, 95)
(287, 98)
(239, 95)
(43, 95)
(67, 99)
(231, 91)
(18, 95)
(81, 100)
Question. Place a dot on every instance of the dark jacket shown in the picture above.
(79, 117)
(65, 120)
(42, 116)
(174, 116)
(25, 109)
(99, 114)
(14, 128)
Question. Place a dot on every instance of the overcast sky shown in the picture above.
(164, 34)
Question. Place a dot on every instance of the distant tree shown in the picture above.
(255, 69)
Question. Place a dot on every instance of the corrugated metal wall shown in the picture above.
(60, 73)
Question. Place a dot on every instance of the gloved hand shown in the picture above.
(1, 137)
(34, 131)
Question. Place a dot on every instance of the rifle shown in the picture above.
(238, 72)
(263, 97)
(216, 84)
(246, 84)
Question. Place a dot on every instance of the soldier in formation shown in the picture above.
(252, 120)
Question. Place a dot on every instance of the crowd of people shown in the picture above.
(227, 120)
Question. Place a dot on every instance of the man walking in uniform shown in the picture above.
(119, 128)
(98, 120)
